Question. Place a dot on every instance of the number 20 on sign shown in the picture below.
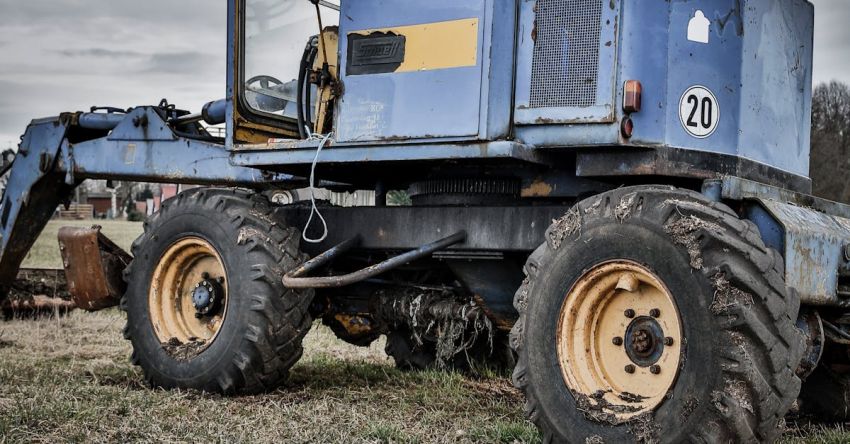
(699, 111)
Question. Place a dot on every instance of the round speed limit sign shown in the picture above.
(699, 111)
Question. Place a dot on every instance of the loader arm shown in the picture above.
(138, 146)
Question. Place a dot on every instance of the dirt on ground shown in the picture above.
(35, 282)
(37, 292)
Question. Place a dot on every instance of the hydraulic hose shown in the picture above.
(299, 96)
(308, 102)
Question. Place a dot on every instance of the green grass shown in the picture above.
(45, 252)
(69, 380)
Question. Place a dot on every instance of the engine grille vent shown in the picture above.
(565, 67)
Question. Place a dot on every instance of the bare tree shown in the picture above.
(831, 141)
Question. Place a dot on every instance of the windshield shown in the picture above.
(276, 32)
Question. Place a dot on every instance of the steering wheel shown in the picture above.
(266, 82)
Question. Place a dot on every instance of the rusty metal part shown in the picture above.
(360, 329)
(635, 371)
(94, 267)
(295, 279)
(172, 310)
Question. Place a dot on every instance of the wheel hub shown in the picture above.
(645, 341)
(187, 304)
(618, 340)
(206, 297)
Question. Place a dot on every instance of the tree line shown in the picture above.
(831, 141)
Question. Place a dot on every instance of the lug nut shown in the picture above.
(617, 341)
(629, 313)
(655, 369)
(655, 313)
(668, 341)
(630, 369)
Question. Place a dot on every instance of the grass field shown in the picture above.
(45, 252)
(69, 379)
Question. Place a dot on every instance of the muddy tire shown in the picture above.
(734, 374)
(250, 340)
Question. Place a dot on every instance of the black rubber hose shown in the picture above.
(308, 113)
(299, 96)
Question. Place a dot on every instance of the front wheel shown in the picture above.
(206, 307)
(652, 314)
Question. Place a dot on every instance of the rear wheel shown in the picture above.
(653, 314)
(206, 308)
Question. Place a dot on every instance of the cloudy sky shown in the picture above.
(67, 55)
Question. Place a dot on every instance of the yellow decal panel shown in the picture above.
(440, 45)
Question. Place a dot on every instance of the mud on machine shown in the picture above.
(611, 197)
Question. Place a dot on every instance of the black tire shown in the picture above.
(737, 378)
(260, 337)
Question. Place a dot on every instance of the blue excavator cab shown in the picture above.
(709, 77)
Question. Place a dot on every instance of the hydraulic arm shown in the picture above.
(145, 144)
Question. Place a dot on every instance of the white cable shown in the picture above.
(314, 211)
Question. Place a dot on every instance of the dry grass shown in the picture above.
(70, 380)
(45, 252)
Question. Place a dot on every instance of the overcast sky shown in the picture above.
(67, 55)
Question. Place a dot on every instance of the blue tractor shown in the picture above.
(611, 197)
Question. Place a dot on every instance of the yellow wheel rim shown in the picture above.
(186, 265)
(619, 340)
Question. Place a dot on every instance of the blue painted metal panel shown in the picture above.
(776, 109)
(814, 251)
(811, 233)
(154, 154)
(757, 63)
(389, 153)
(497, 89)
(715, 66)
(644, 56)
(409, 105)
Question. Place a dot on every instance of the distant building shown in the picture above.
(102, 204)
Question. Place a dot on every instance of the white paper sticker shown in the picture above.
(698, 28)
(699, 112)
